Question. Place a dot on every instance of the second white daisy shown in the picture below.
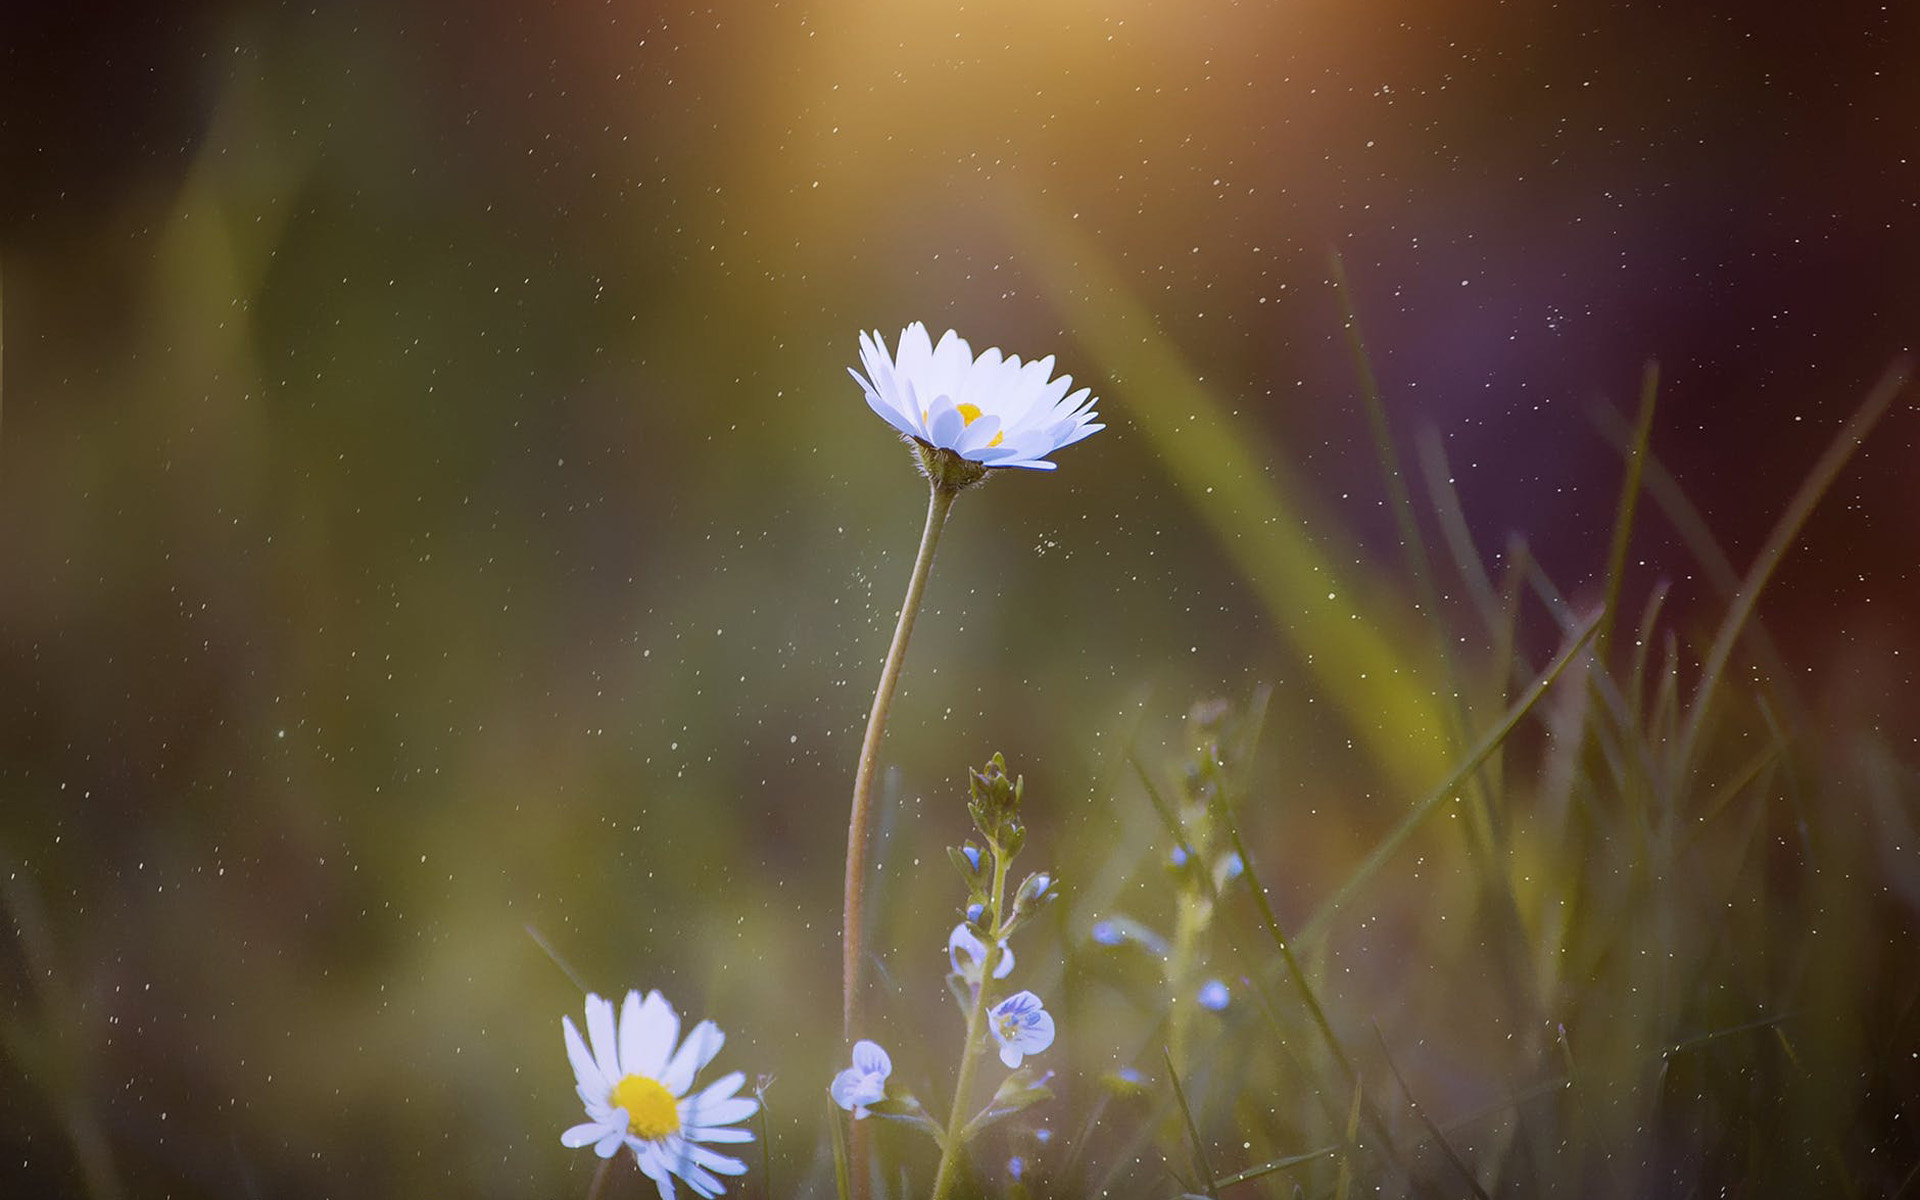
(635, 1084)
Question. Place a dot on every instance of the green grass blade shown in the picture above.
(842, 1172)
(1811, 489)
(1426, 1122)
(1411, 542)
(1275, 1166)
(1193, 1129)
(1377, 670)
(1642, 643)
(1445, 499)
(1353, 1138)
(1623, 513)
(1317, 923)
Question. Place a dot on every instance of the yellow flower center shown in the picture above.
(651, 1110)
(969, 413)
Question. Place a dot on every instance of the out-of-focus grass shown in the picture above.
(1688, 970)
(1348, 627)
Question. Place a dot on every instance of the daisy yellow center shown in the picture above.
(970, 413)
(651, 1110)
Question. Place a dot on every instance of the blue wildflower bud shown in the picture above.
(1016, 1167)
(1177, 857)
(1125, 1083)
(1214, 995)
(973, 866)
(975, 912)
(1036, 889)
(1036, 892)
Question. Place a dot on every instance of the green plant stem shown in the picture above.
(943, 1179)
(950, 1146)
(939, 503)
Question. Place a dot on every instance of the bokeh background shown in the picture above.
(444, 564)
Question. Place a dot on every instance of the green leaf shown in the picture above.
(1020, 1091)
(908, 1111)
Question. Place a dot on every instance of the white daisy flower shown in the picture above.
(994, 411)
(865, 1082)
(1021, 1027)
(635, 1085)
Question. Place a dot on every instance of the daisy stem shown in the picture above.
(939, 502)
(950, 1146)
(600, 1177)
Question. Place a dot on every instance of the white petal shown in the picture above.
(975, 437)
(655, 1167)
(887, 407)
(696, 1052)
(657, 1029)
(717, 1133)
(610, 1142)
(726, 1112)
(600, 1031)
(586, 1072)
(944, 422)
(850, 1089)
(580, 1135)
(720, 1163)
(963, 949)
(871, 1057)
(1036, 1032)
(630, 1035)
(1010, 1054)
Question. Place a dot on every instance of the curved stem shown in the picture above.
(939, 502)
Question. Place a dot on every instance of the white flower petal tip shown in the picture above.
(865, 1082)
(990, 410)
(635, 1076)
(968, 954)
(1022, 1027)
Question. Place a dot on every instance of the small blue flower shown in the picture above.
(865, 1082)
(973, 855)
(1178, 856)
(1021, 1026)
(968, 954)
(1214, 995)
(1118, 931)
(1232, 867)
(975, 911)
(1016, 1167)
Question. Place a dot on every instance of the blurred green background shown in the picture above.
(435, 519)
